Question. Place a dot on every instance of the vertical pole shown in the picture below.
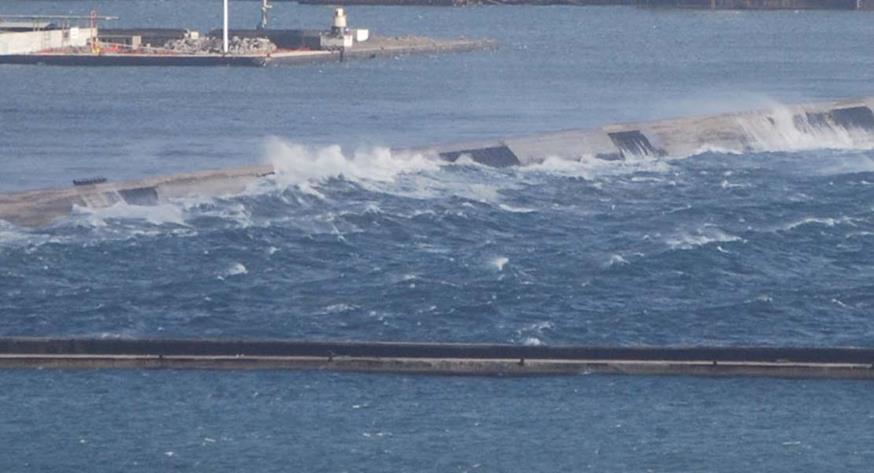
(225, 28)
(265, 5)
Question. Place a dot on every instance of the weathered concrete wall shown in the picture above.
(35, 41)
(40, 207)
(848, 123)
(839, 124)
(434, 358)
(410, 350)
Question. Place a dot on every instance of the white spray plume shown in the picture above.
(304, 166)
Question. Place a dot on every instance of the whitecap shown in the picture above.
(591, 168)
(235, 269)
(616, 260)
(161, 214)
(521, 210)
(306, 167)
(700, 237)
(338, 308)
(500, 262)
(232, 211)
(531, 334)
(730, 185)
(839, 303)
(645, 179)
(827, 221)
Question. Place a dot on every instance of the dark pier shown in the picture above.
(433, 358)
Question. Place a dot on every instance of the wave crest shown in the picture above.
(304, 166)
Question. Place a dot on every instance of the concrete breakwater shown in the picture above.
(433, 358)
(844, 123)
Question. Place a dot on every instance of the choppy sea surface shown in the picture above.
(352, 241)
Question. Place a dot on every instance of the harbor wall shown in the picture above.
(434, 358)
(842, 124)
(426, 350)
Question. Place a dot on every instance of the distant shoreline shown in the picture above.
(684, 4)
(377, 47)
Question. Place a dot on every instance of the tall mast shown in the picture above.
(225, 28)
(265, 7)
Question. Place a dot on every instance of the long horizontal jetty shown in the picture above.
(843, 123)
(433, 358)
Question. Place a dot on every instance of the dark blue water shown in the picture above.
(278, 422)
(354, 242)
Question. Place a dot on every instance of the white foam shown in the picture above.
(520, 210)
(827, 221)
(616, 260)
(849, 164)
(730, 185)
(338, 308)
(233, 211)
(700, 237)
(532, 334)
(561, 166)
(591, 168)
(306, 167)
(12, 235)
(787, 130)
(154, 214)
(236, 269)
(715, 149)
(537, 327)
(500, 262)
(860, 234)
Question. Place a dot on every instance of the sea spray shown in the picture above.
(303, 166)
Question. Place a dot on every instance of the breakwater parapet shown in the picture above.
(433, 358)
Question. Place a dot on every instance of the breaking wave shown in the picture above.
(827, 221)
(306, 167)
(592, 168)
(152, 214)
(700, 237)
(309, 178)
(785, 130)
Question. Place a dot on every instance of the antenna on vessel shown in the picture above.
(265, 8)
(225, 28)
